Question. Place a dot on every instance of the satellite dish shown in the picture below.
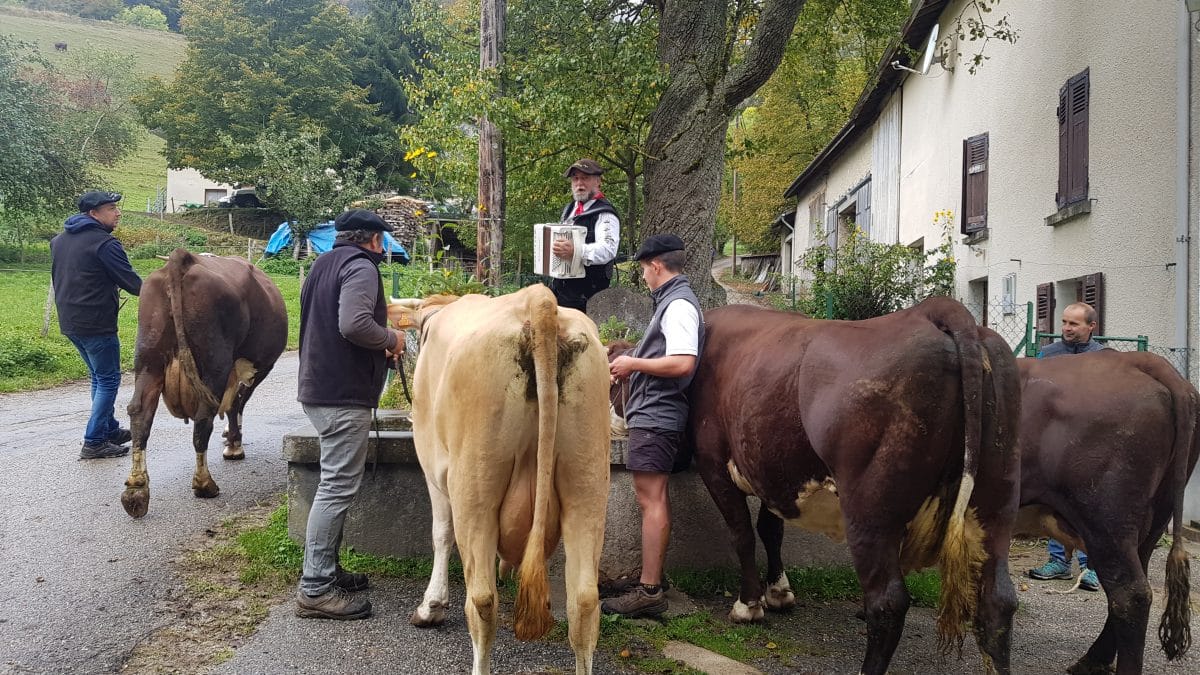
(930, 47)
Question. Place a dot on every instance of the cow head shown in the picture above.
(406, 313)
(618, 392)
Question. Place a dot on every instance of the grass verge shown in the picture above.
(818, 583)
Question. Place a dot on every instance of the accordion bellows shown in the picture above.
(545, 262)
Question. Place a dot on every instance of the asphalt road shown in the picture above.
(82, 582)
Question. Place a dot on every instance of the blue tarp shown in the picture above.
(321, 239)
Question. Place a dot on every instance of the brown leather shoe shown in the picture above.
(333, 604)
(636, 603)
(351, 581)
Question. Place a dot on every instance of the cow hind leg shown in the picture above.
(202, 483)
(997, 602)
(731, 502)
(432, 611)
(136, 497)
(1129, 597)
(233, 423)
(583, 537)
(478, 551)
(885, 599)
(779, 596)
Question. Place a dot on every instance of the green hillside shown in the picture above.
(139, 175)
(157, 52)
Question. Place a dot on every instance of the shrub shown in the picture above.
(615, 329)
(283, 265)
(148, 251)
(20, 355)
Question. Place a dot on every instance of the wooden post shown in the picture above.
(734, 220)
(249, 250)
(46, 311)
(231, 221)
(302, 275)
(489, 240)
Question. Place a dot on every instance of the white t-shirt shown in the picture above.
(681, 328)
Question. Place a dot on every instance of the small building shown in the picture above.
(188, 187)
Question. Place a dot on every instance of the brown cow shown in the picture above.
(209, 331)
(881, 432)
(1108, 440)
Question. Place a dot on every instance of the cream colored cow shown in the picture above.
(510, 422)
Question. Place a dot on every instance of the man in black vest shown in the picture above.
(344, 347)
(87, 267)
(591, 210)
(659, 372)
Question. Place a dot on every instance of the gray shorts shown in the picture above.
(653, 450)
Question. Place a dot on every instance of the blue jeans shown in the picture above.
(344, 431)
(102, 354)
(1057, 552)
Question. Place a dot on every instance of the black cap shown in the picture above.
(361, 219)
(96, 199)
(589, 166)
(658, 245)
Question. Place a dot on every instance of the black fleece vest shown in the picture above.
(83, 292)
(333, 370)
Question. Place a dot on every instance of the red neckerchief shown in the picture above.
(579, 205)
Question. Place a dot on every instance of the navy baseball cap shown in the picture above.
(95, 199)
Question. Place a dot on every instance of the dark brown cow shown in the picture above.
(209, 331)
(1108, 440)
(881, 432)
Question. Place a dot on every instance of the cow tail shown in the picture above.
(183, 375)
(532, 617)
(961, 558)
(1174, 630)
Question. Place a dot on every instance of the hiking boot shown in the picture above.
(335, 603)
(613, 588)
(1053, 569)
(102, 450)
(351, 581)
(636, 603)
(1089, 581)
(120, 437)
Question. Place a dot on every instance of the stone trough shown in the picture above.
(391, 514)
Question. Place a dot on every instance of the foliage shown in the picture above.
(828, 61)
(306, 177)
(143, 17)
(863, 278)
(253, 66)
(88, 9)
(972, 25)
(613, 329)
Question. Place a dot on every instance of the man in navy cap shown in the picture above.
(87, 267)
(659, 372)
(590, 209)
(344, 347)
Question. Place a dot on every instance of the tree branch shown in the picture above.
(771, 34)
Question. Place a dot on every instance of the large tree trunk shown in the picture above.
(686, 145)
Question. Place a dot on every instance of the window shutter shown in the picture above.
(862, 209)
(1073, 115)
(974, 184)
(831, 235)
(1092, 292)
(1080, 89)
(1045, 308)
(816, 212)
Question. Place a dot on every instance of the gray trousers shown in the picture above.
(344, 431)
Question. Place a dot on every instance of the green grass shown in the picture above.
(138, 176)
(819, 583)
(157, 52)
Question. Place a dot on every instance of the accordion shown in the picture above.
(545, 262)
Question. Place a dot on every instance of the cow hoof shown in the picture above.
(746, 613)
(780, 599)
(429, 615)
(207, 491)
(136, 501)
(233, 452)
(1086, 666)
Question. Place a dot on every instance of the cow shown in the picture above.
(510, 425)
(209, 332)
(897, 434)
(60, 46)
(1108, 441)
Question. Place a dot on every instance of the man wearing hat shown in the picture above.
(659, 372)
(87, 267)
(590, 209)
(344, 347)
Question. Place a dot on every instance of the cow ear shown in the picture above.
(402, 313)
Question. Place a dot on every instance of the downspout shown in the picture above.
(1183, 127)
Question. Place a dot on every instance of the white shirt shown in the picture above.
(681, 328)
(608, 236)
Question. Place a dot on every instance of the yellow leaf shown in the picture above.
(625, 653)
(772, 645)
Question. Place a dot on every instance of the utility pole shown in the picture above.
(489, 242)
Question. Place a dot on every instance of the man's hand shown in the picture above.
(621, 368)
(398, 350)
(564, 248)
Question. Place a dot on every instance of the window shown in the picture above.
(1045, 308)
(1088, 288)
(974, 184)
(1073, 140)
(816, 216)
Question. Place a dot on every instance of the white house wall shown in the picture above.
(187, 186)
(1129, 233)
(852, 166)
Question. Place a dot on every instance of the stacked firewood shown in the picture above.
(408, 215)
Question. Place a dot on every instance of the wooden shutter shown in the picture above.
(816, 213)
(831, 236)
(1045, 308)
(1091, 291)
(1073, 115)
(862, 209)
(974, 184)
